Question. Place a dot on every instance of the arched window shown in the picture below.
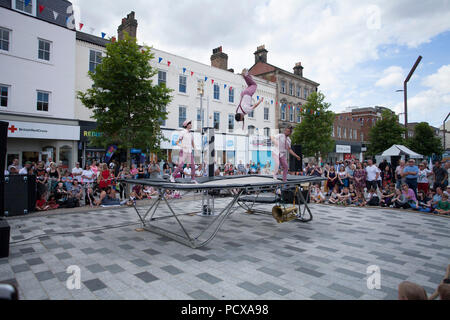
(251, 130)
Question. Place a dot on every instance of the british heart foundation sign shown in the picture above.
(36, 130)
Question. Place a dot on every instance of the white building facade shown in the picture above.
(37, 81)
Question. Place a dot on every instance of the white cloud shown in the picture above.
(392, 76)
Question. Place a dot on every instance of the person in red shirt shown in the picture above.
(104, 179)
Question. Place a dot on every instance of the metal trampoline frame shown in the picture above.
(188, 238)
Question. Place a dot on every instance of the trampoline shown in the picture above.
(245, 191)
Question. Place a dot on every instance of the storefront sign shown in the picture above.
(343, 149)
(36, 130)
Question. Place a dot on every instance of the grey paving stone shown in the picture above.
(63, 255)
(27, 250)
(95, 268)
(258, 290)
(44, 275)
(272, 272)
(201, 295)
(140, 262)
(20, 268)
(346, 290)
(208, 278)
(172, 270)
(151, 252)
(114, 268)
(275, 288)
(146, 277)
(94, 284)
(310, 272)
(197, 257)
(319, 296)
(126, 247)
(350, 273)
(354, 259)
(34, 261)
(88, 251)
(327, 249)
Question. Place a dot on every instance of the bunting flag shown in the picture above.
(224, 86)
(81, 25)
(271, 101)
(160, 59)
(184, 70)
(206, 78)
(231, 88)
(212, 81)
(55, 14)
(257, 97)
(192, 73)
(113, 39)
(41, 8)
(27, 2)
(168, 63)
(103, 35)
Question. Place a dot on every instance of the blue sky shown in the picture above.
(359, 51)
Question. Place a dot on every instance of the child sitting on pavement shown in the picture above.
(443, 206)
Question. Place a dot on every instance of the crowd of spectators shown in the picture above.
(409, 185)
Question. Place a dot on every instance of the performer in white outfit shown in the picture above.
(186, 139)
(281, 146)
(245, 104)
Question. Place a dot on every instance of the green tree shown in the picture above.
(386, 132)
(314, 132)
(126, 104)
(424, 141)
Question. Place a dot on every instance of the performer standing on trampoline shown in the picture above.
(282, 145)
(186, 153)
(245, 104)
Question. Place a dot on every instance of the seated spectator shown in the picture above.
(52, 202)
(387, 195)
(76, 191)
(400, 200)
(61, 194)
(334, 197)
(13, 170)
(409, 195)
(41, 203)
(410, 291)
(344, 197)
(107, 198)
(317, 195)
(137, 189)
(89, 198)
(424, 202)
(360, 200)
(147, 192)
(372, 198)
(353, 196)
(443, 206)
(436, 197)
(132, 199)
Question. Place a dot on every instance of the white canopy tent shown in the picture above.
(400, 150)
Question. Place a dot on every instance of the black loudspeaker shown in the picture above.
(3, 136)
(20, 194)
(4, 238)
(294, 164)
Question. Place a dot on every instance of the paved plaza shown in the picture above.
(252, 257)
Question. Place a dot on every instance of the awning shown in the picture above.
(399, 150)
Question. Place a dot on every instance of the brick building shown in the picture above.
(292, 88)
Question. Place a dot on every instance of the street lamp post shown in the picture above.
(405, 95)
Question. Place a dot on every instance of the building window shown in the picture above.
(355, 134)
(332, 132)
(162, 122)
(181, 116)
(291, 114)
(231, 95)
(4, 39)
(95, 58)
(345, 132)
(216, 120)
(362, 136)
(305, 93)
(291, 88)
(42, 101)
(299, 91)
(251, 114)
(283, 112)
(266, 113)
(267, 132)
(162, 78)
(182, 84)
(20, 5)
(216, 92)
(44, 50)
(200, 116)
(299, 119)
(230, 122)
(4, 96)
(283, 86)
(339, 132)
(251, 130)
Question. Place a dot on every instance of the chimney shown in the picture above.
(298, 69)
(129, 25)
(219, 59)
(261, 54)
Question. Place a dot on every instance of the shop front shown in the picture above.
(87, 153)
(345, 151)
(38, 141)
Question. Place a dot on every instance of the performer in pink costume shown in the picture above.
(281, 146)
(186, 153)
(245, 104)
